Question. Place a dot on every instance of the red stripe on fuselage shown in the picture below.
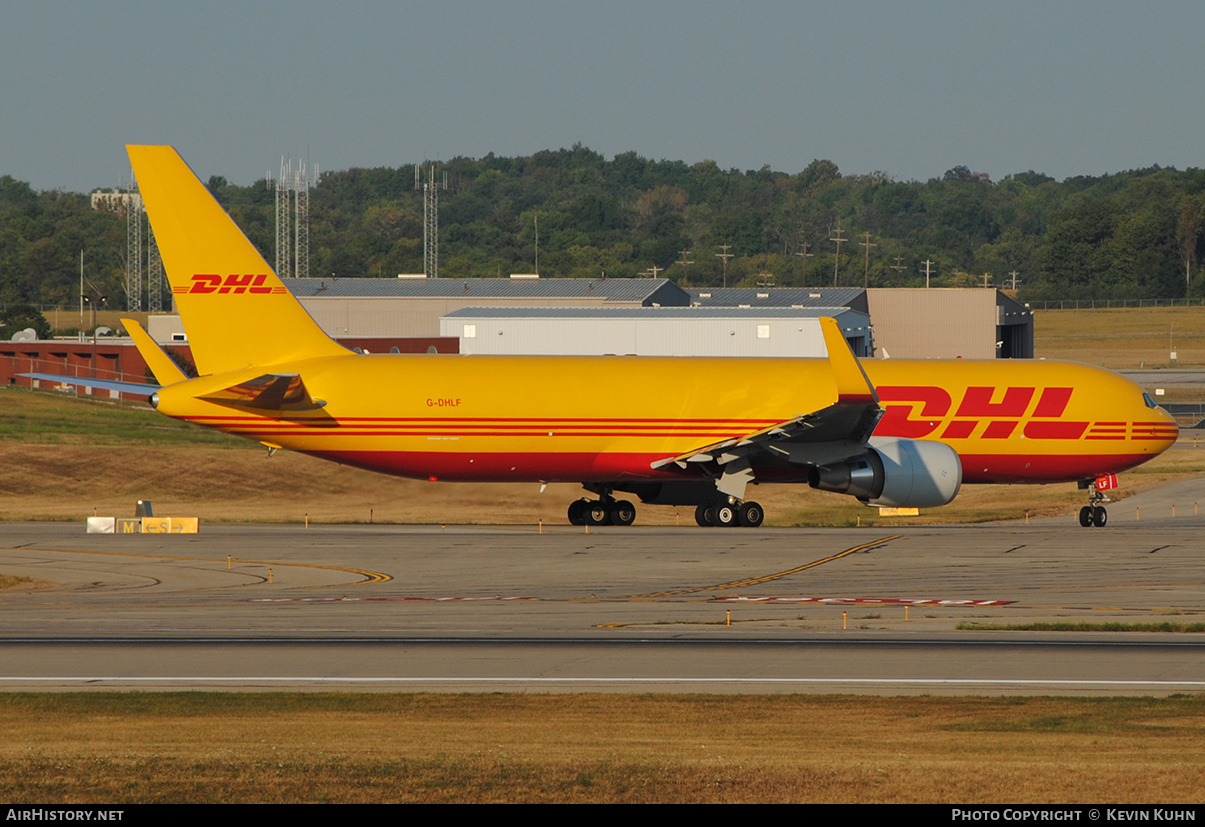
(465, 466)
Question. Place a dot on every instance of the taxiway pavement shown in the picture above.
(616, 609)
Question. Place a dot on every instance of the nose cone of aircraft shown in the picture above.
(1154, 428)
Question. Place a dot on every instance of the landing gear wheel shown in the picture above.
(724, 515)
(703, 516)
(597, 513)
(750, 514)
(622, 513)
(1085, 516)
(1099, 516)
(577, 512)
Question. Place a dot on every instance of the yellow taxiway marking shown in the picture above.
(753, 581)
(369, 576)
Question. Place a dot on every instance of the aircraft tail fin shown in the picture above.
(166, 371)
(237, 312)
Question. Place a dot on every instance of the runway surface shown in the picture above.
(618, 609)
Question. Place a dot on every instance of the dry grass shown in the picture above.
(63, 458)
(115, 748)
(69, 482)
(1124, 338)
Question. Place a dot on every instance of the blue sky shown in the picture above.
(909, 88)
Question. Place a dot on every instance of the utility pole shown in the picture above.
(897, 267)
(1013, 273)
(685, 261)
(655, 270)
(724, 256)
(804, 255)
(837, 261)
(986, 278)
(927, 264)
(866, 272)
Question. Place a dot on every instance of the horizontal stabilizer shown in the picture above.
(101, 384)
(270, 392)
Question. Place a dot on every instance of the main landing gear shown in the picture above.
(605, 511)
(1094, 514)
(747, 514)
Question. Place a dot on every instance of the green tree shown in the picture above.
(18, 317)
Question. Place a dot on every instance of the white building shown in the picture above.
(651, 331)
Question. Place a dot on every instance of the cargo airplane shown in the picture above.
(673, 431)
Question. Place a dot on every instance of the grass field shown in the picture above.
(234, 747)
(1123, 339)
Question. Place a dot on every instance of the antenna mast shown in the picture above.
(430, 217)
(301, 218)
(293, 220)
(134, 213)
(154, 273)
(283, 245)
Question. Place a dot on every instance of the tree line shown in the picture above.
(1134, 234)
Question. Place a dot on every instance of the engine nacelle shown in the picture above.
(904, 473)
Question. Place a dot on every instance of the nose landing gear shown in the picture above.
(1094, 514)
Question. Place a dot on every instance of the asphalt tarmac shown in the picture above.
(428, 608)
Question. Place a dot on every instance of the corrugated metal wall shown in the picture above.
(937, 323)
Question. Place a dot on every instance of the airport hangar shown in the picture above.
(408, 315)
(380, 314)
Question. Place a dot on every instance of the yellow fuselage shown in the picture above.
(607, 419)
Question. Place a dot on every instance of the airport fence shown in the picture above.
(1094, 304)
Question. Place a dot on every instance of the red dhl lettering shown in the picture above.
(897, 421)
(234, 283)
(1001, 408)
(978, 402)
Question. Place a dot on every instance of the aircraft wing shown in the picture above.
(835, 424)
(829, 434)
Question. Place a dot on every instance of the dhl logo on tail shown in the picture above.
(235, 284)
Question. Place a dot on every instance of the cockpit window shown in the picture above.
(1149, 400)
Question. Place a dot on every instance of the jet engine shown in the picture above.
(905, 473)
